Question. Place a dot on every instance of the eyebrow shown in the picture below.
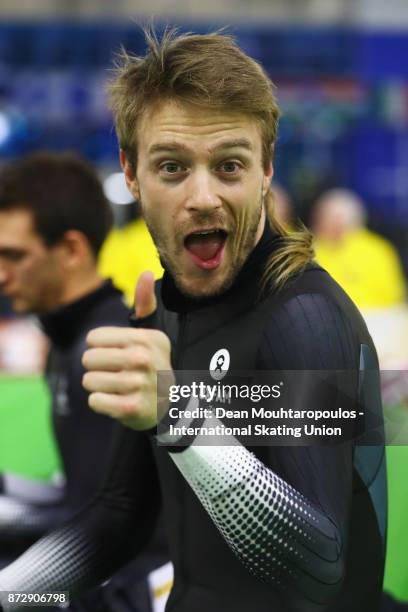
(173, 145)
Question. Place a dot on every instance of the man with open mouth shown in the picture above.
(278, 527)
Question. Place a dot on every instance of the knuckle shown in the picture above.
(128, 406)
(127, 383)
(143, 336)
(137, 359)
(135, 337)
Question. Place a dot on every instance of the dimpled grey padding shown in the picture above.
(271, 528)
(36, 571)
(19, 519)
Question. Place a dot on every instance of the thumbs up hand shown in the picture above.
(145, 298)
(123, 362)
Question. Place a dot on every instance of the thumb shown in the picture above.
(145, 298)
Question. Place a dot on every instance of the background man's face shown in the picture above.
(201, 182)
(30, 274)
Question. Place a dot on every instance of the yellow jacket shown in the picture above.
(366, 266)
(126, 253)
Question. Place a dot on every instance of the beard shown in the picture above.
(239, 250)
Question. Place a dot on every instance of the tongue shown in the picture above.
(205, 246)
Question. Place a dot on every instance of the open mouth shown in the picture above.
(206, 247)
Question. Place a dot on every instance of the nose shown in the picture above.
(202, 196)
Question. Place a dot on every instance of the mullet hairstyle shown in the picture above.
(294, 253)
(208, 71)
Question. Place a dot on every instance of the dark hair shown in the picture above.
(62, 191)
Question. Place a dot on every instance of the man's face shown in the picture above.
(201, 184)
(30, 273)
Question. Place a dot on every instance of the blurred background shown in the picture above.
(341, 71)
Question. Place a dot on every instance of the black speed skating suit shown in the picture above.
(270, 528)
(83, 439)
(81, 435)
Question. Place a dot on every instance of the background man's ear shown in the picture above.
(75, 249)
(130, 175)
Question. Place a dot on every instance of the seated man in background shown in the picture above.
(365, 264)
(53, 220)
(367, 267)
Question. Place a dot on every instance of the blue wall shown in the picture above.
(344, 94)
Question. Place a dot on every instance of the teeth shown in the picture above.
(204, 233)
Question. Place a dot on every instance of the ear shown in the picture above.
(74, 249)
(268, 174)
(130, 175)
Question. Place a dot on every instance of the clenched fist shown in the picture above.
(123, 362)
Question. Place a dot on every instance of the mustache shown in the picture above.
(202, 220)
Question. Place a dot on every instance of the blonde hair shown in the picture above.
(292, 256)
